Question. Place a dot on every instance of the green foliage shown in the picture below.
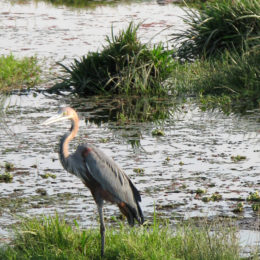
(254, 196)
(214, 197)
(232, 81)
(206, 199)
(138, 170)
(235, 75)
(158, 132)
(256, 207)
(238, 158)
(53, 238)
(220, 26)
(47, 175)
(200, 191)
(124, 66)
(9, 166)
(6, 177)
(239, 208)
(18, 73)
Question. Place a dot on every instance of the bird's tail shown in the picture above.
(137, 212)
(140, 217)
(132, 213)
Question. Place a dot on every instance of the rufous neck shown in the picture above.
(68, 137)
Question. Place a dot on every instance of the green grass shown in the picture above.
(53, 238)
(223, 43)
(17, 73)
(220, 26)
(124, 66)
(230, 82)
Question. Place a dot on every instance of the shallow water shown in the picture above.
(55, 33)
(195, 151)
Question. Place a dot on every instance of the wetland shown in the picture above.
(187, 162)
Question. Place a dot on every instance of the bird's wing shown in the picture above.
(112, 179)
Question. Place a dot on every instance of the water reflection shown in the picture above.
(89, 3)
(127, 110)
(126, 113)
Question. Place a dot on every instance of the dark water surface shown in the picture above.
(194, 153)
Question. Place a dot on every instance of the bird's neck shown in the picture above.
(64, 142)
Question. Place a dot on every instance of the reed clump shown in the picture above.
(219, 26)
(220, 54)
(124, 66)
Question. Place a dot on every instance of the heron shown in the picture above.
(99, 172)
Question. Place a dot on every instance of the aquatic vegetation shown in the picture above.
(219, 26)
(216, 197)
(41, 191)
(104, 140)
(130, 109)
(206, 199)
(210, 102)
(18, 73)
(227, 34)
(200, 191)
(158, 132)
(230, 82)
(254, 196)
(183, 186)
(50, 237)
(124, 66)
(238, 158)
(9, 166)
(6, 177)
(47, 175)
(256, 207)
(239, 208)
(138, 170)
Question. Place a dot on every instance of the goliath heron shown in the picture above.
(105, 179)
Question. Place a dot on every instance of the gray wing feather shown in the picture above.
(106, 172)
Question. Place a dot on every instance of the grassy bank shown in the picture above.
(220, 55)
(53, 238)
(18, 74)
(230, 82)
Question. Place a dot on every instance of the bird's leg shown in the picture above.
(102, 228)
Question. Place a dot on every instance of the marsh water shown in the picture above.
(197, 149)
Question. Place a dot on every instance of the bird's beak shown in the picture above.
(59, 117)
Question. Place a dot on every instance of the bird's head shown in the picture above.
(63, 114)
